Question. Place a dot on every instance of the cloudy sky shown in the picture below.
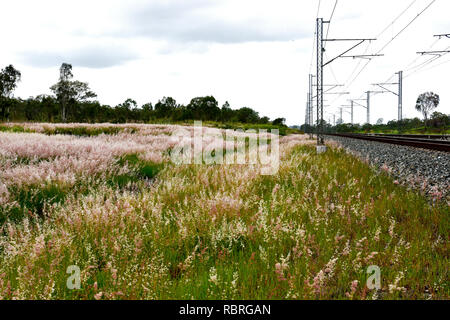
(254, 53)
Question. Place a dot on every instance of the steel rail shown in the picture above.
(438, 145)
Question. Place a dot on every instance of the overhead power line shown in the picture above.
(314, 38)
(437, 56)
(407, 67)
(433, 67)
(410, 66)
(410, 23)
(396, 19)
(352, 74)
(446, 35)
(328, 30)
(435, 53)
(392, 40)
(378, 36)
(331, 18)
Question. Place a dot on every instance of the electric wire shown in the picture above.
(378, 35)
(392, 40)
(331, 18)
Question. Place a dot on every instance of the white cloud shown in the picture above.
(88, 56)
(252, 53)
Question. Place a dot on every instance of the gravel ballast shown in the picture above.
(425, 170)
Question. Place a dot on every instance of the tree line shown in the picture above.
(426, 103)
(436, 122)
(74, 101)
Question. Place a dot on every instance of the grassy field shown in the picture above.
(141, 227)
(96, 129)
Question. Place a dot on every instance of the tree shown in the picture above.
(427, 102)
(439, 120)
(69, 93)
(41, 108)
(9, 77)
(264, 120)
(146, 113)
(62, 88)
(125, 110)
(279, 122)
(367, 127)
(226, 113)
(204, 108)
(247, 115)
(80, 91)
(380, 121)
(165, 107)
(129, 104)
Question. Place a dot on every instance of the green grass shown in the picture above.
(80, 131)
(15, 129)
(218, 232)
(283, 130)
(140, 170)
(299, 197)
(83, 131)
(418, 131)
(31, 200)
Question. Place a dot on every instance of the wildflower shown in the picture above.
(264, 256)
(4, 194)
(40, 245)
(98, 296)
(338, 238)
(392, 227)
(318, 282)
(213, 278)
(353, 287)
(394, 286)
(385, 168)
(234, 283)
(329, 268)
(371, 256)
(281, 267)
(275, 189)
(377, 234)
(346, 250)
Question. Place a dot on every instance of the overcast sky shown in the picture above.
(253, 53)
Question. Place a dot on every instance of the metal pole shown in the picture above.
(342, 119)
(307, 113)
(352, 110)
(400, 96)
(368, 107)
(311, 109)
(320, 136)
(311, 90)
(307, 116)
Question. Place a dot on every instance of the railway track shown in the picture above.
(408, 140)
(415, 136)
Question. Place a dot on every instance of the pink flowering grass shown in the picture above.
(212, 232)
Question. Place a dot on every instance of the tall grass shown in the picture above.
(226, 232)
